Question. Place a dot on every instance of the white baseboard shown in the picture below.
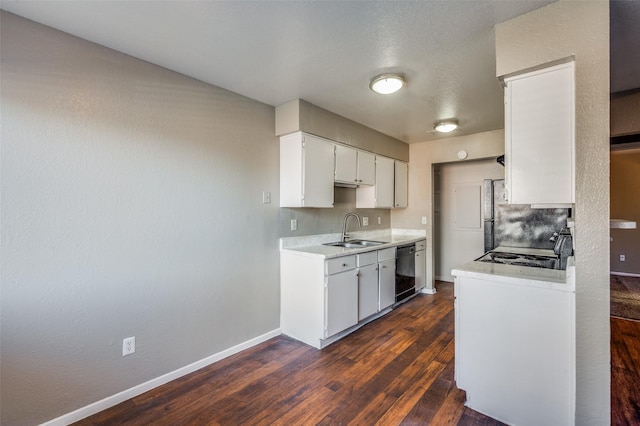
(624, 274)
(112, 400)
(428, 290)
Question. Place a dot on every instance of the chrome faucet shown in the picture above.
(344, 225)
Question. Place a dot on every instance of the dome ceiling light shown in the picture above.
(385, 84)
(446, 126)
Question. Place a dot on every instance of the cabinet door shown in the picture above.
(385, 175)
(421, 270)
(367, 291)
(387, 283)
(401, 187)
(366, 168)
(346, 164)
(341, 306)
(539, 136)
(318, 172)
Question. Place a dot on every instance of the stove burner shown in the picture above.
(530, 264)
(538, 258)
(519, 259)
(504, 256)
(492, 261)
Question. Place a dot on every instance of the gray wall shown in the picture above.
(553, 32)
(299, 115)
(326, 221)
(131, 205)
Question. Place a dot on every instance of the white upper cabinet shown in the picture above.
(354, 167)
(540, 136)
(306, 171)
(381, 195)
(346, 165)
(366, 168)
(401, 184)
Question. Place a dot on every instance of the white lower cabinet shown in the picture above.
(341, 302)
(367, 284)
(515, 350)
(320, 299)
(386, 277)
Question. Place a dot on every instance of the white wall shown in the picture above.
(131, 205)
(454, 243)
(556, 31)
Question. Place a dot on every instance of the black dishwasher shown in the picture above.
(405, 272)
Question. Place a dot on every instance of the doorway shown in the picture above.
(458, 221)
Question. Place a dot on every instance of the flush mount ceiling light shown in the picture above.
(446, 126)
(386, 84)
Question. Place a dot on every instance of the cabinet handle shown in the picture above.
(344, 265)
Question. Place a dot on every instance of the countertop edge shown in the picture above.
(521, 275)
(329, 252)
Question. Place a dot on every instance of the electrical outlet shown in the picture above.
(266, 197)
(622, 258)
(365, 221)
(294, 224)
(128, 346)
(379, 220)
(424, 220)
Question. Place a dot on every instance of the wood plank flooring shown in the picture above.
(395, 371)
(625, 372)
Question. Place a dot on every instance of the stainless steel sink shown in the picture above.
(355, 243)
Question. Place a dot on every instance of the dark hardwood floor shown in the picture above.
(396, 370)
(625, 372)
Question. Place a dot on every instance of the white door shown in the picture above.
(401, 184)
(346, 160)
(385, 175)
(366, 168)
(318, 172)
(367, 291)
(387, 282)
(341, 302)
(539, 136)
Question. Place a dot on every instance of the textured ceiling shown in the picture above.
(324, 52)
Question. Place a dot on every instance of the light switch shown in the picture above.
(365, 221)
(424, 220)
(266, 197)
(294, 224)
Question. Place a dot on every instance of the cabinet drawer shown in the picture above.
(386, 254)
(339, 264)
(421, 245)
(368, 258)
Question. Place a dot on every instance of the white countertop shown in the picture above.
(313, 245)
(520, 275)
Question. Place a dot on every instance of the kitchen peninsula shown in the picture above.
(327, 291)
(515, 341)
